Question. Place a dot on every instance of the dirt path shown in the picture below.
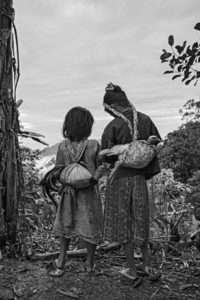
(31, 280)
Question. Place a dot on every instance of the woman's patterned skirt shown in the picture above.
(126, 215)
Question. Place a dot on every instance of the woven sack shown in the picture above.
(137, 154)
(75, 174)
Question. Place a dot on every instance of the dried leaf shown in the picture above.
(68, 293)
(19, 102)
(185, 286)
(31, 134)
(39, 141)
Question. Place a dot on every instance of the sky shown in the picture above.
(70, 50)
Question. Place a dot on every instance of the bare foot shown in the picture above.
(129, 273)
(59, 264)
(89, 266)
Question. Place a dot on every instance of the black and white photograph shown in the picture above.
(99, 150)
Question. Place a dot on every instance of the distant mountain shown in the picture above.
(47, 158)
(47, 151)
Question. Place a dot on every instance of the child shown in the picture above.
(80, 217)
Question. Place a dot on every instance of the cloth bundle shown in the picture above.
(76, 176)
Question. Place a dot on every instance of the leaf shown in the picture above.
(19, 102)
(191, 60)
(188, 81)
(195, 45)
(168, 72)
(197, 26)
(179, 49)
(176, 76)
(188, 50)
(192, 78)
(68, 293)
(39, 141)
(184, 44)
(179, 69)
(165, 55)
(30, 134)
(187, 73)
(183, 57)
(162, 57)
(171, 40)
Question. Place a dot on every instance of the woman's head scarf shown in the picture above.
(115, 95)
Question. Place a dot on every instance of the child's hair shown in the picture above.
(78, 124)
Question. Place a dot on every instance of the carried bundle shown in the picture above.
(74, 176)
(138, 154)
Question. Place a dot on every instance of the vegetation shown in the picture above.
(26, 215)
(181, 151)
(183, 60)
(11, 178)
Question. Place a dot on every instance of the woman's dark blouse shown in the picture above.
(117, 132)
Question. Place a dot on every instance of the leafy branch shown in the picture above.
(183, 60)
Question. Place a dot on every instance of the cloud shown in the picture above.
(26, 125)
(69, 51)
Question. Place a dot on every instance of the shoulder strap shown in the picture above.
(76, 154)
(134, 128)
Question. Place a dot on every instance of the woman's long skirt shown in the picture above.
(126, 216)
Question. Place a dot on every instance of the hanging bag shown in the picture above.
(76, 175)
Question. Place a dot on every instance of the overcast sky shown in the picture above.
(70, 50)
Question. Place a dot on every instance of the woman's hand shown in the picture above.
(101, 171)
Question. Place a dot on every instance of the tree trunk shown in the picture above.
(10, 163)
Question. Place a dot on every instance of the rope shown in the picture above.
(133, 129)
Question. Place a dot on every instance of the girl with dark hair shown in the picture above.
(80, 217)
(127, 207)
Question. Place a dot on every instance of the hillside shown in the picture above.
(47, 159)
(48, 151)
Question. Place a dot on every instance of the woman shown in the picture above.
(79, 216)
(127, 207)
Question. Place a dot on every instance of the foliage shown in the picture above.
(29, 158)
(183, 60)
(11, 187)
(181, 151)
(195, 196)
(169, 196)
(36, 214)
(190, 111)
(165, 186)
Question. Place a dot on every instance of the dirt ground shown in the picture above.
(31, 280)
